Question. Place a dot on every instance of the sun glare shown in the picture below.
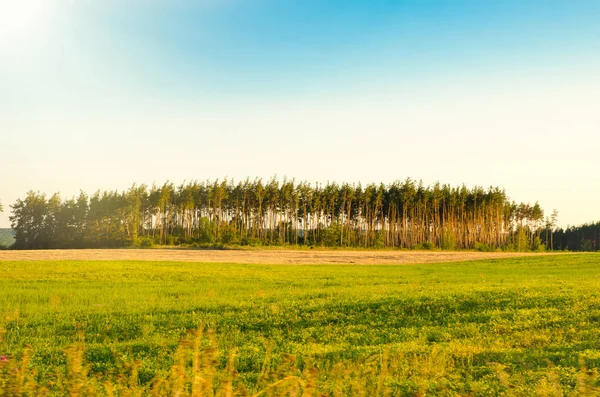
(20, 17)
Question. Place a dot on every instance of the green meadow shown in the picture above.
(519, 326)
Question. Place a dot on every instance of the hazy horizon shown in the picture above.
(104, 94)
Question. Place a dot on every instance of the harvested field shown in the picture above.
(296, 257)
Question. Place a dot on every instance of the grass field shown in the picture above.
(519, 326)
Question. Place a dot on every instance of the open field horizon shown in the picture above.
(236, 198)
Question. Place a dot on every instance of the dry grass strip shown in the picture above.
(291, 257)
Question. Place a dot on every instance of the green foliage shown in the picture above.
(481, 247)
(448, 240)
(332, 235)
(7, 238)
(586, 245)
(31, 222)
(228, 234)
(251, 242)
(143, 242)
(585, 237)
(537, 245)
(521, 240)
(205, 231)
(442, 329)
(379, 241)
(398, 215)
(426, 245)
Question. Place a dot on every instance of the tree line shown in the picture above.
(585, 237)
(403, 214)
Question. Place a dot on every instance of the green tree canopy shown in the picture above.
(403, 214)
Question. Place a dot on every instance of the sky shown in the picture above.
(102, 94)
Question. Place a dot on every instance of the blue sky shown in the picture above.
(102, 94)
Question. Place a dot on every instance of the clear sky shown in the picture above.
(101, 94)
